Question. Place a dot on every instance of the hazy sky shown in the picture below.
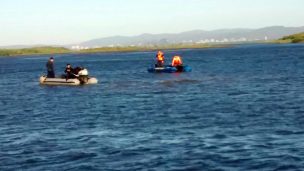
(72, 21)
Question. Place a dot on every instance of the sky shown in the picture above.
(59, 22)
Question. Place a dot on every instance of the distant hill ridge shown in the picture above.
(196, 36)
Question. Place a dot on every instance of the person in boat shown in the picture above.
(82, 74)
(77, 69)
(177, 61)
(160, 59)
(50, 68)
(69, 72)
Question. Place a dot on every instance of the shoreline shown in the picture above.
(60, 50)
(48, 50)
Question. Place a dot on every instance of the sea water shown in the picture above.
(241, 108)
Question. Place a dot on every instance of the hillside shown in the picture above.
(195, 36)
(295, 38)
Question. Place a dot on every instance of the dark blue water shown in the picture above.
(241, 108)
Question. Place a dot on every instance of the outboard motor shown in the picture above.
(83, 76)
(180, 68)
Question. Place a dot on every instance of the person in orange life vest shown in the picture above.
(177, 61)
(160, 58)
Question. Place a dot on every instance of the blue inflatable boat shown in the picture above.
(170, 69)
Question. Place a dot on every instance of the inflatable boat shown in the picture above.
(81, 79)
(62, 81)
(170, 69)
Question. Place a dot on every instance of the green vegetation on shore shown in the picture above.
(295, 38)
(61, 50)
(33, 51)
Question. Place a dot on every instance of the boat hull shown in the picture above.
(169, 69)
(62, 81)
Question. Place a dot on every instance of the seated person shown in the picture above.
(77, 69)
(177, 61)
(160, 59)
(69, 72)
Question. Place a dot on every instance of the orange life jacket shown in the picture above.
(176, 61)
(160, 56)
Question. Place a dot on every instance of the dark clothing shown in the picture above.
(50, 69)
(180, 68)
(159, 64)
(69, 73)
(50, 74)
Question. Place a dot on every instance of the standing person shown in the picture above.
(50, 68)
(160, 58)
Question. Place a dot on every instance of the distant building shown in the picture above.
(77, 47)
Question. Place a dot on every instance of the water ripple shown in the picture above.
(240, 109)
